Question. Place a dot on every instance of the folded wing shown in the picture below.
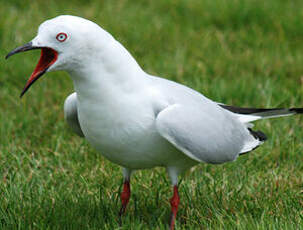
(214, 136)
(71, 114)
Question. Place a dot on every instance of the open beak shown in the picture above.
(47, 58)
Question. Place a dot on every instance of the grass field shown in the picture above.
(246, 53)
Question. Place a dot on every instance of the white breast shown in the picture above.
(126, 135)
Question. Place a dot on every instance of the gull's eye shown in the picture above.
(61, 37)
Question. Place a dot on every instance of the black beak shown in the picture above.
(47, 58)
(26, 47)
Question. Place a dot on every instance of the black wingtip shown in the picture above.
(258, 135)
(244, 111)
(296, 110)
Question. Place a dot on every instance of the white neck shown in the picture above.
(104, 72)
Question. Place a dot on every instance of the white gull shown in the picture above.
(134, 119)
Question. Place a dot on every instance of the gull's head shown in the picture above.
(66, 43)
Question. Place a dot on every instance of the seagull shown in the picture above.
(136, 120)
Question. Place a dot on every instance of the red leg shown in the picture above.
(174, 202)
(124, 197)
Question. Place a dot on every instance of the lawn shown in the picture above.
(245, 53)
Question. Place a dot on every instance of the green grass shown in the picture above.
(246, 53)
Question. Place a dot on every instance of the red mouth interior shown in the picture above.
(47, 58)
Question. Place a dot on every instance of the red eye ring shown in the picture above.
(61, 37)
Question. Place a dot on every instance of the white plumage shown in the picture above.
(137, 120)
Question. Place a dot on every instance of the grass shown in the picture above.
(246, 53)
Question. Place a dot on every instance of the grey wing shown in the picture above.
(214, 136)
(71, 114)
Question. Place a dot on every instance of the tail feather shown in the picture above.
(246, 115)
(252, 114)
